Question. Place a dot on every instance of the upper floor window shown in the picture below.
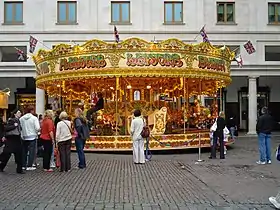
(274, 13)
(67, 12)
(173, 12)
(120, 12)
(272, 53)
(225, 12)
(10, 54)
(13, 12)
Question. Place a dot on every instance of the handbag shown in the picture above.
(214, 126)
(57, 157)
(145, 133)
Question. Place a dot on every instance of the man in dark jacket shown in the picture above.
(264, 128)
(13, 142)
(219, 135)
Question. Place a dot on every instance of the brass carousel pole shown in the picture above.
(125, 109)
(184, 85)
(221, 99)
(116, 99)
(187, 100)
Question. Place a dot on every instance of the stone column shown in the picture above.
(40, 101)
(252, 105)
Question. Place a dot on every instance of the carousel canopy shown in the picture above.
(96, 65)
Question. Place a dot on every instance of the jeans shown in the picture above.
(64, 148)
(232, 131)
(47, 153)
(80, 144)
(264, 147)
(28, 148)
(218, 136)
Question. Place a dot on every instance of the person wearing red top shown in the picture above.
(47, 137)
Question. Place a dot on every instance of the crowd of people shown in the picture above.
(22, 135)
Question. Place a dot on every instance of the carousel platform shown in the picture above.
(157, 142)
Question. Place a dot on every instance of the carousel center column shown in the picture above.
(252, 105)
(40, 101)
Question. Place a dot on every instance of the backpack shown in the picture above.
(145, 133)
(85, 133)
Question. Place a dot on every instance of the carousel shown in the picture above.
(165, 80)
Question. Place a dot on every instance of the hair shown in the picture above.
(13, 113)
(137, 113)
(57, 112)
(63, 115)
(264, 110)
(48, 113)
(29, 109)
(80, 114)
(99, 95)
(222, 114)
(40, 116)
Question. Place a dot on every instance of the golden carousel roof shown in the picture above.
(133, 57)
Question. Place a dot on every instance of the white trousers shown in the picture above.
(138, 151)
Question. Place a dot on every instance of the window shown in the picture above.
(225, 13)
(13, 12)
(67, 12)
(9, 54)
(274, 13)
(173, 12)
(120, 12)
(272, 53)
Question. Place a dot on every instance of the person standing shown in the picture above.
(232, 127)
(47, 137)
(136, 128)
(63, 139)
(13, 142)
(219, 135)
(265, 125)
(82, 133)
(30, 128)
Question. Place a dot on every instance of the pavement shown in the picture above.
(169, 181)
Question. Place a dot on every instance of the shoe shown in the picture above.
(261, 162)
(23, 168)
(52, 165)
(212, 157)
(30, 168)
(35, 164)
(48, 170)
(269, 162)
(20, 172)
(274, 202)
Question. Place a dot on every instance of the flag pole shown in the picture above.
(199, 32)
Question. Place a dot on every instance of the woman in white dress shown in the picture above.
(137, 125)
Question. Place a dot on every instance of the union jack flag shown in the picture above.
(249, 47)
(20, 53)
(204, 35)
(32, 44)
(117, 37)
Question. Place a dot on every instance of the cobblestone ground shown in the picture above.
(170, 181)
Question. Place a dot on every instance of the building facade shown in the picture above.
(230, 23)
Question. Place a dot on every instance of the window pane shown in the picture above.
(271, 13)
(116, 12)
(18, 12)
(220, 11)
(230, 12)
(8, 12)
(125, 12)
(278, 13)
(168, 12)
(72, 12)
(62, 12)
(178, 13)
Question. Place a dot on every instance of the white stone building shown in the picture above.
(230, 23)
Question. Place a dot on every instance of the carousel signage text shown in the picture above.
(153, 59)
(82, 62)
(211, 63)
